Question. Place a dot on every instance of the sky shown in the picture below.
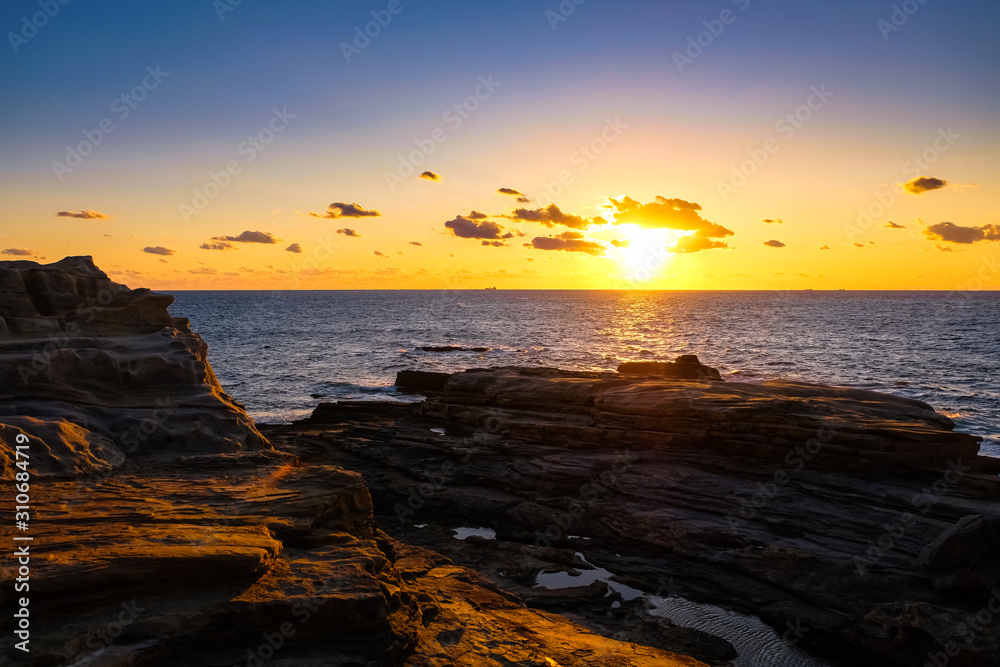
(581, 144)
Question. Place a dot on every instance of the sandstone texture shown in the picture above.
(166, 530)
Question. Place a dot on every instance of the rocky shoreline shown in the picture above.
(168, 529)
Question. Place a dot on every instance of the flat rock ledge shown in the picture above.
(859, 519)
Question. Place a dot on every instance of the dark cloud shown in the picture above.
(249, 237)
(695, 243)
(774, 244)
(379, 254)
(552, 216)
(157, 250)
(893, 225)
(295, 247)
(825, 247)
(430, 176)
(952, 233)
(521, 197)
(924, 184)
(342, 210)
(417, 243)
(217, 245)
(495, 244)
(773, 222)
(666, 213)
(347, 231)
(466, 227)
(18, 252)
(568, 241)
(476, 215)
(84, 215)
(859, 245)
(619, 244)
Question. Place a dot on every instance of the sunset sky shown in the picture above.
(628, 145)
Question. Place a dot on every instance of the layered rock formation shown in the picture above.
(856, 523)
(165, 530)
(91, 370)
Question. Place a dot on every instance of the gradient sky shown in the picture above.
(605, 76)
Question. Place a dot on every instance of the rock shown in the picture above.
(802, 504)
(964, 556)
(421, 382)
(202, 545)
(453, 348)
(93, 371)
(685, 367)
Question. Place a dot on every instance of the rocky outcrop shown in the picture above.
(858, 524)
(92, 371)
(685, 367)
(202, 545)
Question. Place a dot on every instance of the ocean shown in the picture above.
(281, 353)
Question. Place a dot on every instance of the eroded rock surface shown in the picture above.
(91, 370)
(856, 523)
(202, 545)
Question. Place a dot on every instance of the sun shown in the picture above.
(642, 253)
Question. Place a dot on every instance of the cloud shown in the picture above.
(893, 225)
(430, 176)
(18, 252)
(552, 216)
(952, 233)
(666, 213)
(466, 227)
(417, 243)
(694, 243)
(84, 215)
(521, 197)
(859, 245)
(157, 250)
(476, 215)
(495, 244)
(347, 231)
(568, 241)
(774, 222)
(825, 247)
(204, 271)
(924, 184)
(620, 244)
(295, 247)
(217, 245)
(380, 254)
(342, 210)
(774, 244)
(249, 237)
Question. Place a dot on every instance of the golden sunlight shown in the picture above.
(642, 253)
